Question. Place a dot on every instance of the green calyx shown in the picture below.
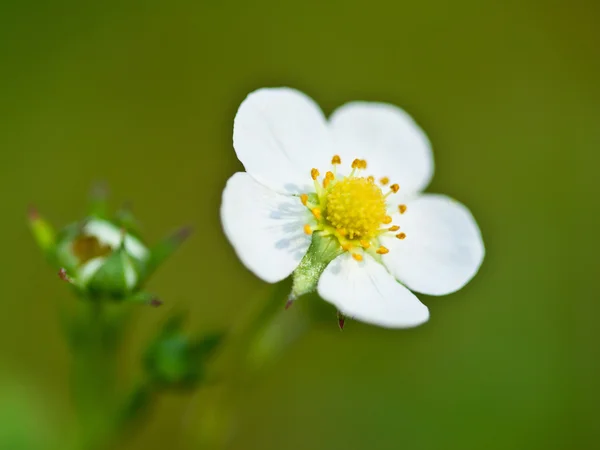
(322, 250)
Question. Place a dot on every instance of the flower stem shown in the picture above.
(261, 335)
(95, 338)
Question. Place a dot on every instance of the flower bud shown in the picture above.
(104, 257)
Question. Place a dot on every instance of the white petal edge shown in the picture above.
(389, 139)
(367, 291)
(443, 248)
(109, 234)
(279, 135)
(264, 227)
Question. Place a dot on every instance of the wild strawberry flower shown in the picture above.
(338, 204)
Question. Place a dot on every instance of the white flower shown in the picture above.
(350, 185)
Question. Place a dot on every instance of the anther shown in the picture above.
(307, 229)
(356, 164)
(363, 164)
(357, 256)
(346, 246)
(382, 250)
(316, 212)
(401, 235)
(387, 220)
(402, 209)
(384, 180)
(341, 232)
(314, 173)
(371, 179)
(304, 199)
(336, 159)
(364, 244)
(394, 228)
(395, 188)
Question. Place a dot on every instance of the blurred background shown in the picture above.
(143, 95)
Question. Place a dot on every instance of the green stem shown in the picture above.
(254, 342)
(94, 345)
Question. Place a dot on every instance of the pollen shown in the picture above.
(402, 209)
(387, 220)
(384, 181)
(304, 199)
(307, 229)
(401, 236)
(382, 250)
(394, 228)
(357, 256)
(314, 173)
(316, 212)
(356, 206)
(336, 160)
(364, 244)
(395, 188)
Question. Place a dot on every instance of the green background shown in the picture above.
(143, 95)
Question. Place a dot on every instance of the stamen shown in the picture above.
(394, 228)
(371, 179)
(356, 164)
(401, 236)
(316, 212)
(336, 160)
(402, 209)
(382, 250)
(341, 231)
(304, 199)
(346, 246)
(357, 256)
(387, 220)
(363, 164)
(314, 173)
(364, 244)
(328, 177)
(307, 229)
(395, 188)
(384, 181)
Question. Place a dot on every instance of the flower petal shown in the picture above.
(389, 139)
(264, 227)
(111, 235)
(366, 291)
(443, 248)
(279, 135)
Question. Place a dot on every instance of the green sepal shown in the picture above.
(110, 279)
(98, 203)
(322, 250)
(165, 248)
(43, 233)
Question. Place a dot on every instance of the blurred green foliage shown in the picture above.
(143, 94)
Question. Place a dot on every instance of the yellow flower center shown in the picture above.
(356, 205)
(352, 208)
